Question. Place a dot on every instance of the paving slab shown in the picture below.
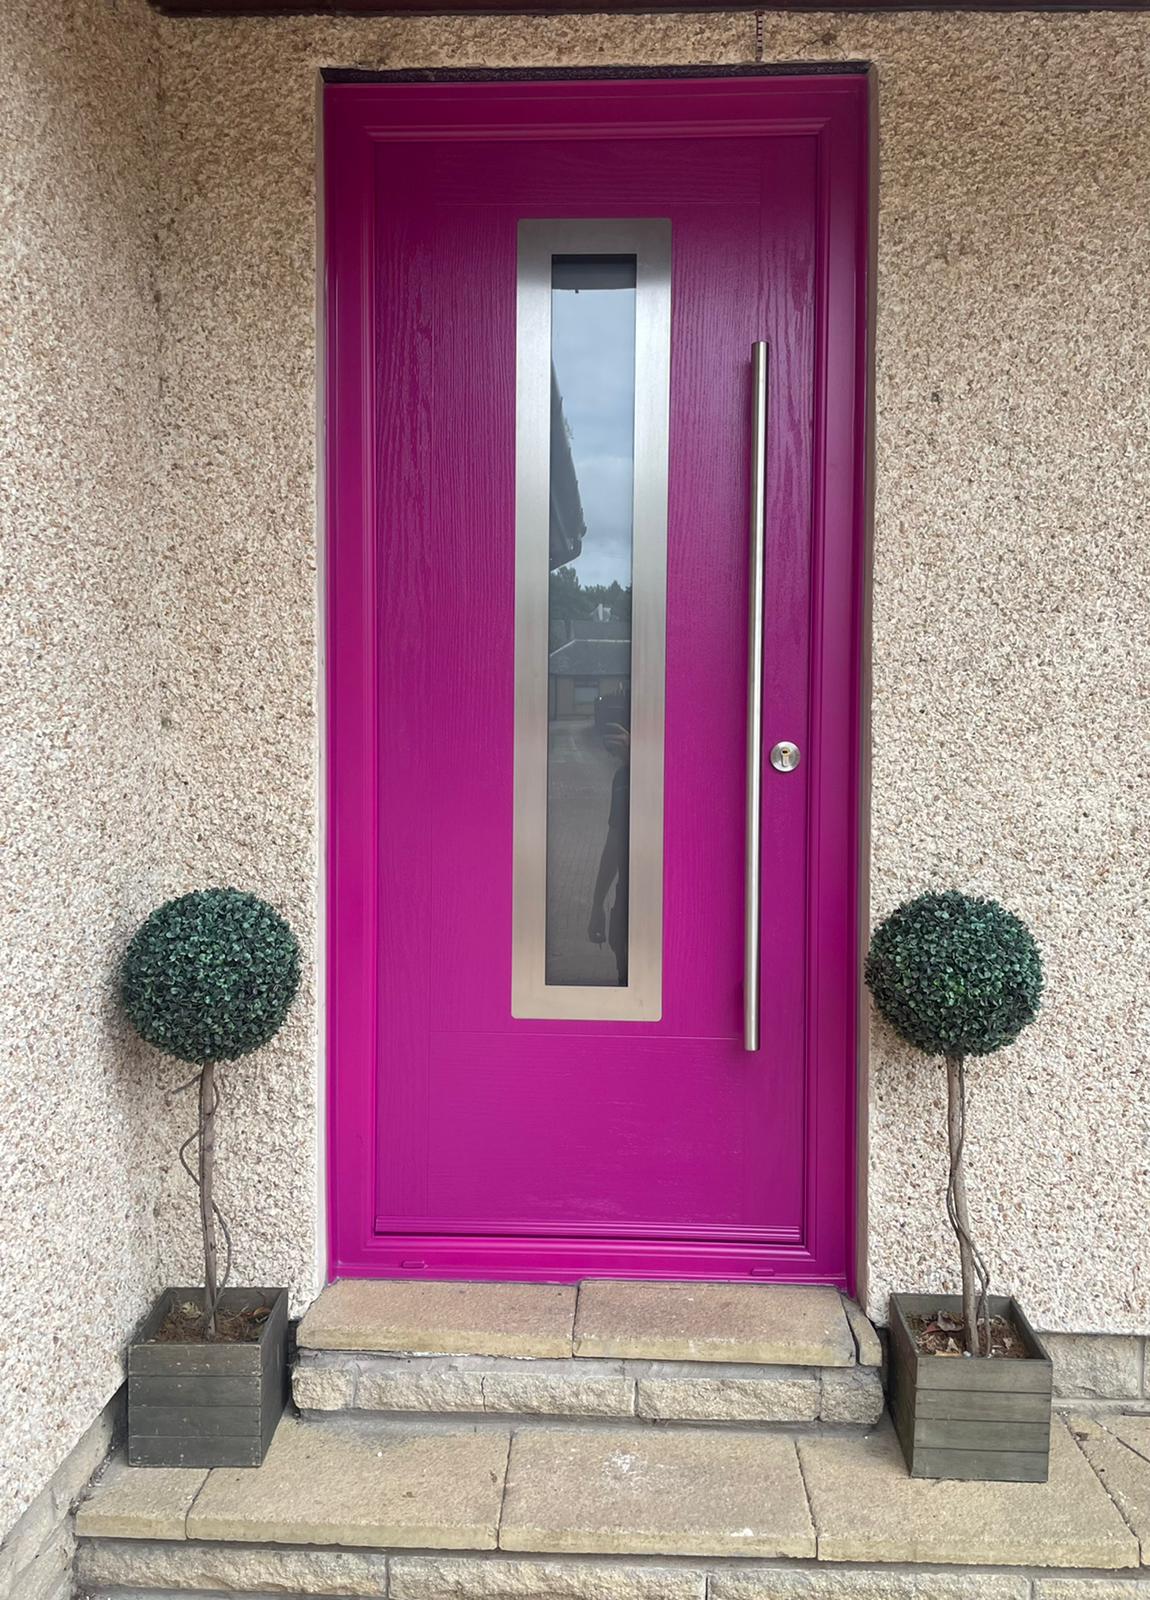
(1133, 1430)
(655, 1492)
(867, 1508)
(358, 1485)
(434, 1318)
(764, 1324)
(140, 1502)
(1119, 1451)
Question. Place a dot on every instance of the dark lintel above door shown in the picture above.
(397, 8)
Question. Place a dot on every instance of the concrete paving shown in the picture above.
(407, 1488)
(815, 1496)
(867, 1508)
(141, 1502)
(1118, 1448)
(656, 1492)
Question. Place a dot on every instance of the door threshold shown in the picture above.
(755, 1324)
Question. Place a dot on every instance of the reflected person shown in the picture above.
(614, 857)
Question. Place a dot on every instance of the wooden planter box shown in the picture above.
(207, 1405)
(962, 1417)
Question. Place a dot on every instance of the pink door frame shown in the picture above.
(357, 119)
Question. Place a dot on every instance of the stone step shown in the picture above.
(506, 1388)
(709, 1353)
(174, 1573)
(552, 1513)
(745, 1323)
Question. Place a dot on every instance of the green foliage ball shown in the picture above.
(210, 976)
(955, 974)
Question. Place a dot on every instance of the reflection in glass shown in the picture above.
(589, 617)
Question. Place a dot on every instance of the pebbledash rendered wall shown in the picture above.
(1012, 552)
(84, 600)
(163, 473)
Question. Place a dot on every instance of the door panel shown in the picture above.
(630, 1153)
(491, 1143)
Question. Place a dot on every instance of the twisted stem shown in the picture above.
(975, 1305)
(203, 1135)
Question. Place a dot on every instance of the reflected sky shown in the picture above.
(590, 330)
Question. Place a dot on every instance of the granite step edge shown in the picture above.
(367, 1383)
(110, 1569)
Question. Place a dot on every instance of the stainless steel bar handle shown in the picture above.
(760, 392)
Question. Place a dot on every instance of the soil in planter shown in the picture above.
(184, 1324)
(941, 1334)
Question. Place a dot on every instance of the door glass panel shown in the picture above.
(592, 404)
(589, 617)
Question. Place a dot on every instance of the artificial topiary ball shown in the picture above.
(211, 975)
(954, 974)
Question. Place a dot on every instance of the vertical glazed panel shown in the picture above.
(591, 504)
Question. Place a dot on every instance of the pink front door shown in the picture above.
(542, 303)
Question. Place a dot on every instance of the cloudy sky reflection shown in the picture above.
(593, 352)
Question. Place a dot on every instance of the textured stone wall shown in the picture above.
(82, 604)
(38, 1553)
(1013, 428)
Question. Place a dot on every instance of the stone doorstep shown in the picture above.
(814, 1497)
(761, 1324)
(441, 1318)
(703, 1392)
(774, 1324)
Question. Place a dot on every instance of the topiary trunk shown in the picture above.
(207, 1141)
(956, 1198)
(975, 1279)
